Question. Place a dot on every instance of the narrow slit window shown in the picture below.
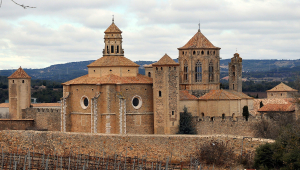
(159, 93)
(117, 49)
(112, 49)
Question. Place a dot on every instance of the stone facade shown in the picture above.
(235, 68)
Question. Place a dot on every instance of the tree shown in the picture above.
(261, 104)
(246, 112)
(186, 123)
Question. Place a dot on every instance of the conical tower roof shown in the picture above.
(198, 41)
(113, 29)
(166, 61)
(19, 74)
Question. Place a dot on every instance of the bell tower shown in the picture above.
(235, 73)
(113, 41)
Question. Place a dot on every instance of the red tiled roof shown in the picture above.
(111, 79)
(219, 95)
(281, 87)
(147, 65)
(113, 29)
(19, 74)
(166, 60)
(45, 104)
(4, 105)
(240, 94)
(113, 61)
(277, 108)
(185, 95)
(198, 41)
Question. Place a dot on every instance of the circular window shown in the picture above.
(136, 102)
(84, 102)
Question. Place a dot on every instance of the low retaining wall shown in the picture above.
(11, 124)
(154, 146)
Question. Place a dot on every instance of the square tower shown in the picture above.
(166, 96)
(19, 85)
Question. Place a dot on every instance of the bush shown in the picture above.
(217, 153)
(186, 123)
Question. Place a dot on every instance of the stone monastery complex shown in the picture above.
(114, 98)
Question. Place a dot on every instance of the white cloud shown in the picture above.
(66, 31)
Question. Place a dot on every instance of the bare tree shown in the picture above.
(18, 4)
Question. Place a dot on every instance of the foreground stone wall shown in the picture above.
(154, 146)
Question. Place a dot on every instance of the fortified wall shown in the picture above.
(44, 118)
(226, 126)
(152, 146)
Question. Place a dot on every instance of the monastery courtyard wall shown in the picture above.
(154, 146)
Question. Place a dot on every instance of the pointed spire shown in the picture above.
(113, 19)
(199, 27)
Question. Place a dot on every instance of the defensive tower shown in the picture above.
(166, 96)
(19, 85)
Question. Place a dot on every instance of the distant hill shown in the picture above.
(251, 68)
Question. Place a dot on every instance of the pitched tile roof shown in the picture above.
(281, 87)
(45, 104)
(185, 95)
(240, 94)
(277, 108)
(113, 61)
(19, 74)
(198, 41)
(113, 29)
(219, 95)
(4, 105)
(166, 61)
(111, 79)
(147, 65)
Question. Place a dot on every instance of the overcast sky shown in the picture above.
(60, 31)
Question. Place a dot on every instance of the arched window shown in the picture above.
(149, 74)
(185, 71)
(233, 72)
(107, 49)
(194, 52)
(211, 72)
(117, 49)
(202, 52)
(198, 72)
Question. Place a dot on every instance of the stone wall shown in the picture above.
(228, 125)
(154, 146)
(44, 118)
(9, 124)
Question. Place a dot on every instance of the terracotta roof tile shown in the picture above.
(4, 105)
(219, 95)
(147, 65)
(277, 108)
(198, 41)
(281, 87)
(111, 79)
(45, 104)
(113, 29)
(185, 95)
(19, 74)
(165, 60)
(240, 94)
(113, 61)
